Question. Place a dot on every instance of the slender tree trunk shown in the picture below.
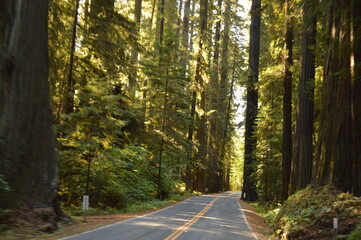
(335, 148)
(179, 23)
(225, 135)
(70, 81)
(185, 37)
(184, 63)
(287, 105)
(161, 59)
(190, 139)
(161, 22)
(134, 53)
(356, 96)
(27, 149)
(191, 160)
(213, 173)
(303, 149)
(152, 15)
(88, 174)
(249, 184)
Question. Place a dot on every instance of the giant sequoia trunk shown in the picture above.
(303, 149)
(336, 150)
(27, 153)
(249, 184)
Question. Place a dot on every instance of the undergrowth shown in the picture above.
(309, 214)
(131, 208)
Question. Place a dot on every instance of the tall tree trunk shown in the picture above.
(161, 23)
(249, 184)
(303, 149)
(70, 81)
(163, 120)
(184, 64)
(213, 173)
(27, 150)
(335, 147)
(190, 163)
(287, 105)
(200, 68)
(225, 136)
(185, 37)
(356, 96)
(223, 106)
(134, 53)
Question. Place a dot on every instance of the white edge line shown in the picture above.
(246, 221)
(127, 220)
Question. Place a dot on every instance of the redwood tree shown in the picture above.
(27, 152)
(338, 152)
(287, 104)
(249, 184)
(356, 96)
(303, 149)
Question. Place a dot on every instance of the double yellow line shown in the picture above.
(184, 228)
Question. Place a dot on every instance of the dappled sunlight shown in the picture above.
(151, 224)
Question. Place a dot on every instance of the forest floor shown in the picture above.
(255, 220)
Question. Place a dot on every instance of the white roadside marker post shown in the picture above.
(85, 205)
(335, 227)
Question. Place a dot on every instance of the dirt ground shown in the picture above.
(255, 220)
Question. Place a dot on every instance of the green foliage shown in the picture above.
(133, 207)
(269, 132)
(108, 137)
(4, 184)
(354, 235)
(309, 213)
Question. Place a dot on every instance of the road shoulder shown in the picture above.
(255, 220)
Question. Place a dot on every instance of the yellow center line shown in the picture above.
(184, 228)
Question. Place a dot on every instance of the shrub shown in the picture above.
(309, 214)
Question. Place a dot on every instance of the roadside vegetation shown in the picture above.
(134, 207)
(309, 214)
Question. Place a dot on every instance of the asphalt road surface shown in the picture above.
(208, 217)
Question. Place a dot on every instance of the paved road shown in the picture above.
(208, 217)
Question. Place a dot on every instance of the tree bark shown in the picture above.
(70, 82)
(27, 150)
(287, 105)
(200, 68)
(356, 96)
(134, 53)
(213, 174)
(224, 107)
(185, 63)
(303, 148)
(334, 153)
(163, 120)
(249, 192)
